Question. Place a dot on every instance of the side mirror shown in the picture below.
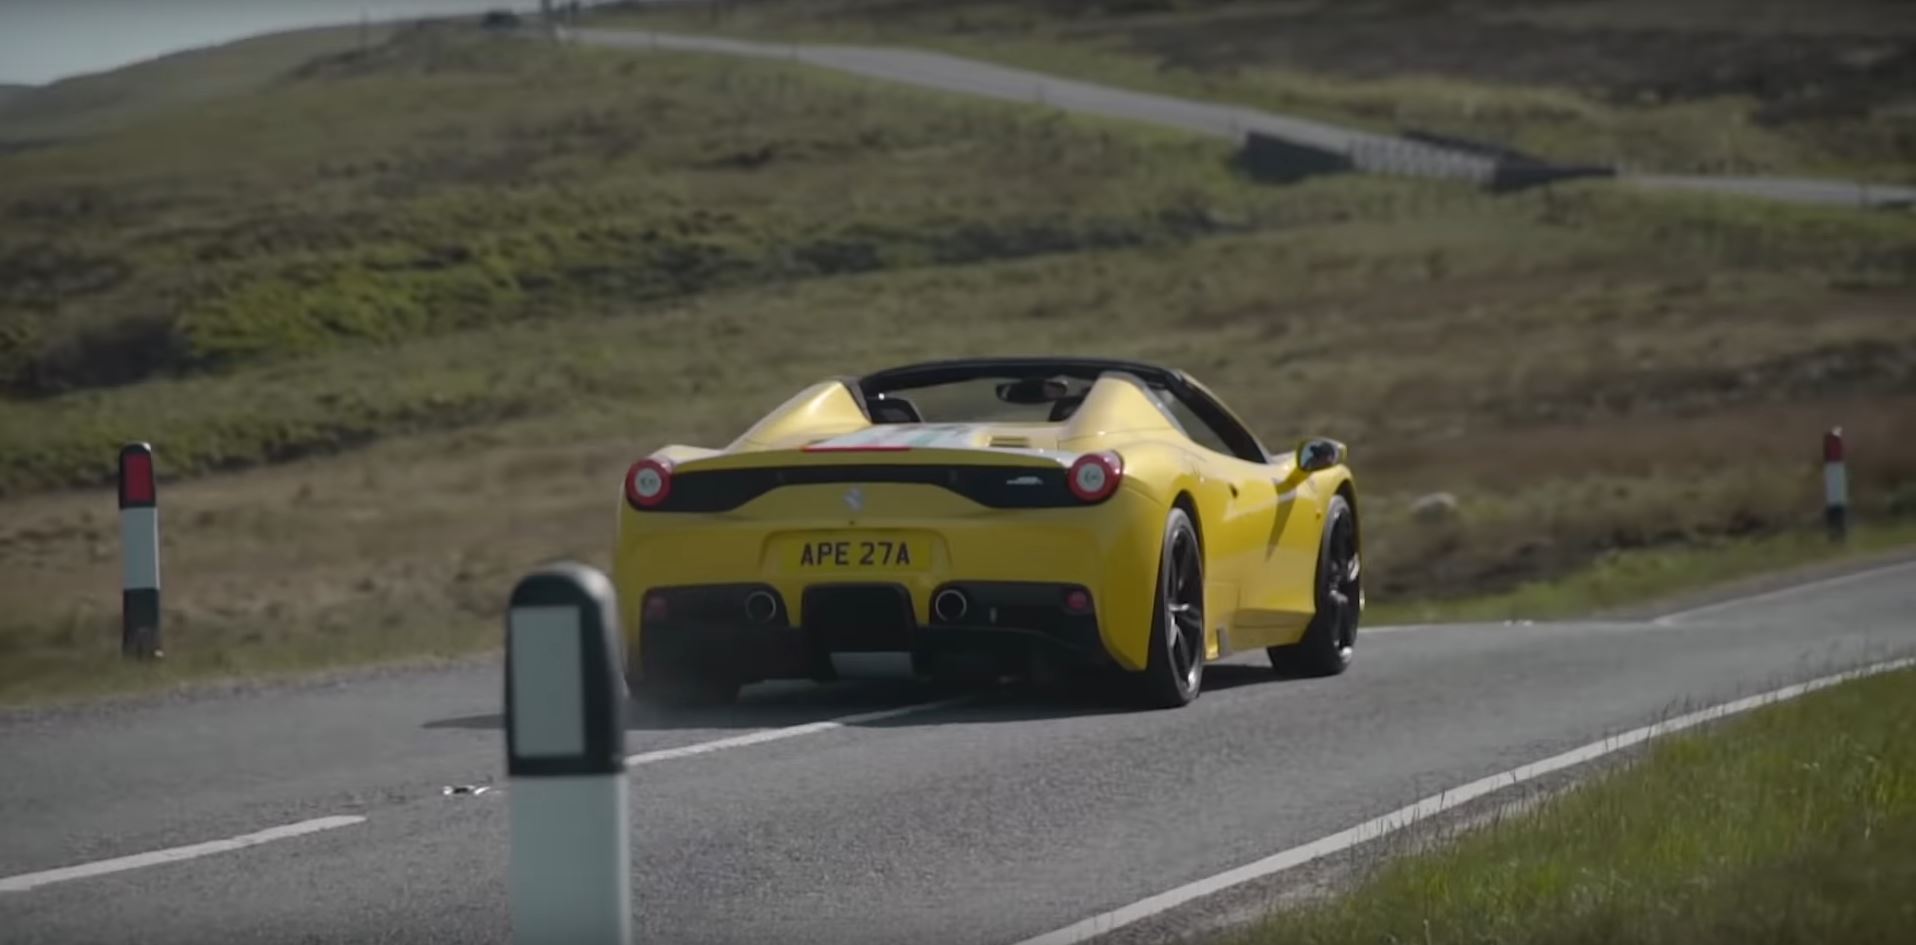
(1319, 454)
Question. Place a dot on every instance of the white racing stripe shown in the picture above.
(26, 881)
(762, 736)
(1435, 804)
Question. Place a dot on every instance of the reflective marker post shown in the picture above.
(1835, 485)
(139, 554)
(571, 861)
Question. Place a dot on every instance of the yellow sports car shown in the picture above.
(968, 519)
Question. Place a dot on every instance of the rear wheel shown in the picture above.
(1175, 671)
(1330, 641)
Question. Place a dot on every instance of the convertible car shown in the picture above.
(962, 520)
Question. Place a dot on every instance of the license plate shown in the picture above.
(857, 552)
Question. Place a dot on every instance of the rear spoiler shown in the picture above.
(826, 454)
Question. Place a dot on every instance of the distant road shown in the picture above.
(1377, 152)
(985, 822)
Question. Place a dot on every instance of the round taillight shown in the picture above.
(648, 482)
(1077, 601)
(1094, 476)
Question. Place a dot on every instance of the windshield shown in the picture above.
(983, 400)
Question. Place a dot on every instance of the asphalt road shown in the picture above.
(988, 821)
(1383, 153)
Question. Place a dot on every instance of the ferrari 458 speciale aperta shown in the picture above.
(970, 519)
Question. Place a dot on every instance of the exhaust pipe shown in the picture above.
(950, 605)
(761, 607)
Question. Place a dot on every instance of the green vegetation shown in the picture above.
(448, 181)
(1630, 580)
(1734, 88)
(397, 319)
(77, 657)
(1795, 823)
(106, 101)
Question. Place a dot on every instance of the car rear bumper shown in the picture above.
(715, 561)
(1004, 626)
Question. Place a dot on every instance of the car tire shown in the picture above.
(1330, 642)
(1174, 671)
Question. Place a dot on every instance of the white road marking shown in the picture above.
(762, 736)
(1435, 804)
(1097, 925)
(1681, 615)
(1823, 584)
(26, 881)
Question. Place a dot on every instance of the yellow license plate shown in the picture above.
(849, 552)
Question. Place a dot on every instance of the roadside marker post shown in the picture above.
(571, 860)
(139, 554)
(1835, 485)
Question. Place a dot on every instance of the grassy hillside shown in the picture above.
(1716, 86)
(1793, 824)
(450, 181)
(397, 320)
(106, 101)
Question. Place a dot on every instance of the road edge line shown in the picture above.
(1412, 814)
(120, 864)
(791, 731)
(1838, 580)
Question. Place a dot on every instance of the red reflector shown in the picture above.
(1093, 477)
(136, 478)
(655, 608)
(648, 482)
(1833, 446)
(1077, 601)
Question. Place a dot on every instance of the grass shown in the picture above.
(106, 101)
(1632, 580)
(1354, 282)
(1794, 823)
(395, 319)
(1723, 89)
(450, 180)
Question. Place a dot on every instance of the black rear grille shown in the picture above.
(998, 487)
(859, 617)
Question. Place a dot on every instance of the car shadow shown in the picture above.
(1220, 677)
(889, 704)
